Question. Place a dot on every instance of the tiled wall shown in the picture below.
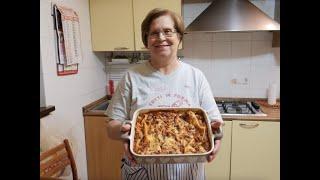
(69, 93)
(246, 57)
(241, 64)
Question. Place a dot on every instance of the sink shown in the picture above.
(101, 107)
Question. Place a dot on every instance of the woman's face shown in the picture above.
(163, 40)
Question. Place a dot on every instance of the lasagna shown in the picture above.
(171, 132)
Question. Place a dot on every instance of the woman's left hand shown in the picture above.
(215, 126)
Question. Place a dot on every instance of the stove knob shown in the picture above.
(255, 105)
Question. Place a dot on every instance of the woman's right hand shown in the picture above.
(125, 128)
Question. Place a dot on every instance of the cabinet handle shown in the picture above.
(120, 48)
(249, 126)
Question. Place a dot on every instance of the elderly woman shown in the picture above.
(163, 81)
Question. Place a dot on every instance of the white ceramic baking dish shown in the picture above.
(167, 158)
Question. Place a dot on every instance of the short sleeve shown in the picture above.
(207, 101)
(119, 108)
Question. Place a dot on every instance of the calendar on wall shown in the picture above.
(67, 32)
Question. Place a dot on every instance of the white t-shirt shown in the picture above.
(144, 86)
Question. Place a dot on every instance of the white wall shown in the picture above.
(267, 6)
(42, 95)
(69, 93)
(224, 57)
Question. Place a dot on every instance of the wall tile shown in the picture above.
(240, 36)
(221, 50)
(221, 77)
(262, 36)
(257, 93)
(202, 37)
(262, 54)
(240, 49)
(202, 50)
(187, 49)
(221, 92)
(276, 54)
(187, 38)
(221, 36)
(260, 77)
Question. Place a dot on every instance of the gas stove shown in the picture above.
(239, 108)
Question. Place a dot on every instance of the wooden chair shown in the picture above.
(55, 160)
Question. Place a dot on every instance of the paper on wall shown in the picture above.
(70, 34)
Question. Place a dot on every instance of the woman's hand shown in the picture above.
(125, 129)
(215, 125)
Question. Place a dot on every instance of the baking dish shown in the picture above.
(167, 158)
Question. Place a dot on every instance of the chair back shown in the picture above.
(55, 160)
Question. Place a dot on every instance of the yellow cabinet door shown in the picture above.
(255, 151)
(111, 25)
(219, 168)
(141, 9)
(103, 154)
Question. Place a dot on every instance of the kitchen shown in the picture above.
(236, 64)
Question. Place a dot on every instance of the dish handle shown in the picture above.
(218, 134)
(125, 136)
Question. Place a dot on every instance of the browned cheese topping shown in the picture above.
(171, 132)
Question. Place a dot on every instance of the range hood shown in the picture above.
(232, 15)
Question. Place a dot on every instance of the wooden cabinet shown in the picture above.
(250, 150)
(255, 150)
(103, 154)
(116, 24)
(111, 25)
(219, 168)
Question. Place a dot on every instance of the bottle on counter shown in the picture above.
(272, 94)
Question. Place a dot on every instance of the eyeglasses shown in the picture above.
(165, 32)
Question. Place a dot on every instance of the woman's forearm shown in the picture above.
(113, 129)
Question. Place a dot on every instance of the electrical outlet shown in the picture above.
(239, 81)
(233, 81)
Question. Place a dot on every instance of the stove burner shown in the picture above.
(238, 108)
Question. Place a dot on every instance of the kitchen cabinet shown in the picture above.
(111, 25)
(255, 150)
(103, 154)
(219, 168)
(249, 150)
(116, 24)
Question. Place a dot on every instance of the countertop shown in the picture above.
(273, 112)
(89, 110)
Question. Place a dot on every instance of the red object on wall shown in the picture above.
(111, 87)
